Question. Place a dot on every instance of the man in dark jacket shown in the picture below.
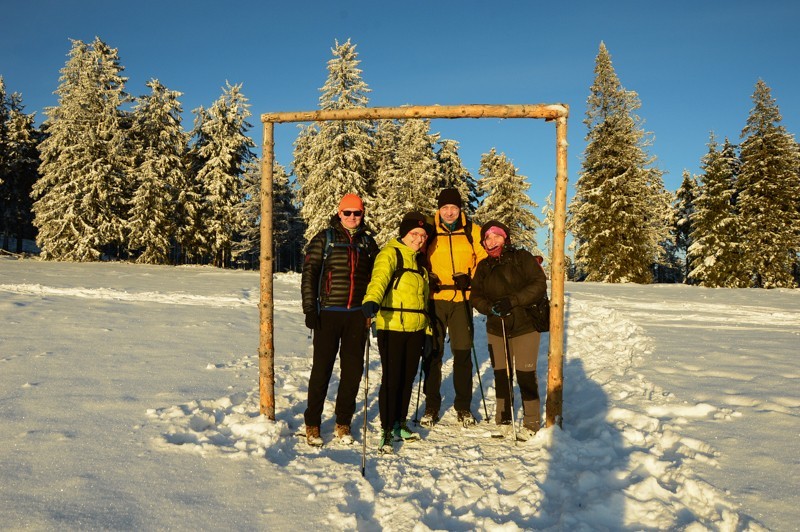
(336, 272)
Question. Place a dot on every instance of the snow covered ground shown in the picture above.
(129, 400)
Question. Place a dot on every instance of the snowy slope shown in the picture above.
(129, 400)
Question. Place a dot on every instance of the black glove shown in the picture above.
(370, 309)
(429, 347)
(461, 281)
(312, 320)
(434, 283)
(502, 307)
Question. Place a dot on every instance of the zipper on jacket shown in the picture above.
(352, 259)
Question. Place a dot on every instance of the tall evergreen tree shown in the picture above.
(247, 246)
(284, 216)
(222, 149)
(549, 223)
(83, 194)
(668, 267)
(683, 210)
(159, 147)
(333, 158)
(4, 119)
(769, 187)
(715, 252)
(620, 211)
(192, 240)
(19, 160)
(410, 182)
(454, 175)
(506, 200)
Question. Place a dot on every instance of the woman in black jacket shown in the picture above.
(505, 285)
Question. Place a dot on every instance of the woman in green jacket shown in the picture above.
(397, 297)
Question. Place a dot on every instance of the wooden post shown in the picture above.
(557, 112)
(266, 356)
(555, 358)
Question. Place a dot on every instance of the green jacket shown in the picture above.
(403, 299)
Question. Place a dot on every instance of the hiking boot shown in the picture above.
(402, 432)
(312, 436)
(385, 446)
(430, 418)
(502, 430)
(342, 434)
(466, 418)
(527, 432)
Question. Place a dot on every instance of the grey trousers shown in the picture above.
(524, 353)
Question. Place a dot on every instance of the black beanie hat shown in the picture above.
(494, 223)
(449, 196)
(412, 220)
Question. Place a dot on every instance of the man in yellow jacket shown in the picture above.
(453, 254)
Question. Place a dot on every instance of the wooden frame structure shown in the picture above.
(550, 112)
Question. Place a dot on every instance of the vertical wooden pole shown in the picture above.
(266, 357)
(555, 360)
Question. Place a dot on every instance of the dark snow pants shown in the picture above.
(344, 332)
(524, 353)
(400, 353)
(455, 318)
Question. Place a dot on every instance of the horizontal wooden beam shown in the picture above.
(546, 111)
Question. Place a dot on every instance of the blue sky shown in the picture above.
(694, 63)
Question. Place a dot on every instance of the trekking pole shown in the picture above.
(510, 386)
(419, 385)
(474, 353)
(366, 390)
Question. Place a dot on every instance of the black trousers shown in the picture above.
(400, 353)
(343, 332)
(455, 318)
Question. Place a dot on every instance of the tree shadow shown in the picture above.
(587, 457)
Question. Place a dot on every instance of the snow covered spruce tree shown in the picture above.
(410, 182)
(286, 222)
(19, 161)
(5, 113)
(549, 222)
(620, 212)
(332, 158)
(159, 145)
(506, 200)
(83, 195)
(285, 235)
(715, 252)
(219, 155)
(769, 188)
(454, 175)
(683, 210)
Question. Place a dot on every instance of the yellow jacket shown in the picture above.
(404, 299)
(451, 252)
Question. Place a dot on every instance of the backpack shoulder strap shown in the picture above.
(329, 243)
(400, 269)
(468, 232)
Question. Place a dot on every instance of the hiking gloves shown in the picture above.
(461, 281)
(502, 307)
(370, 309)
(312, 320)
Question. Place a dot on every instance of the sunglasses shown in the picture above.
(352, 213)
